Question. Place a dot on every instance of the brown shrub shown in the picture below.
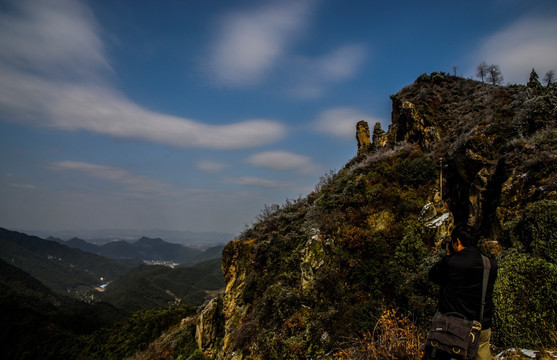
(394, 337)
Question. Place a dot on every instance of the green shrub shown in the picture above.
(525, 297)
(416, 171)
(538, 229)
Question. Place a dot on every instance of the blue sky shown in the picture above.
(192, 115)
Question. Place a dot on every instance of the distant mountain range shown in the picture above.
(200, 240)
(61, 268)
(147, 249)
(77, 267)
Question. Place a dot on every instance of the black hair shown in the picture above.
(467, 235)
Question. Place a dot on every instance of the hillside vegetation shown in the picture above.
(36, 323)
(157, 286)
(313, 273)
(62, 269)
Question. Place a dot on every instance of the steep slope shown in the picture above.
(214, 252)
(36, 323)
(314, 272)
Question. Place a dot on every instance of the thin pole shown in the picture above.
(441, 177)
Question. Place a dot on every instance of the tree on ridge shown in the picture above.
(549, 77)
(481, 70)
(494, 75)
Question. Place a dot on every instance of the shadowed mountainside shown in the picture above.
(63, 269)
(314, 272)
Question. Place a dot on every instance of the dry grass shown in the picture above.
(394, 337)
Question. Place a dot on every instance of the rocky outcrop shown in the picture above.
(409, 125)
(380, 137)
(209, 327)
(362, 135)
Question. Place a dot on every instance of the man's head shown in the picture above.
(467, 235)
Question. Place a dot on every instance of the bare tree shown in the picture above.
(494, 74)
(549, 77)
(455, 68)
(481, 70)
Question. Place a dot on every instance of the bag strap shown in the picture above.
(487, 268)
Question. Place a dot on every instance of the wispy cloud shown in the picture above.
(132, 184)
(254, 181)
(54, 37)
(525, 44)
(318, 73)
(341, 121)
(211, 166)
(52, 73)
(249, 43)
(22, 186)
(282, 161)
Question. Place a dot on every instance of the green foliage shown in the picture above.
(526, 289)
(416, 171)
(134, 334)
(538, 229)
(365, 250)
(525, 297)
(157, 286)
(36, 323)
(177, 342)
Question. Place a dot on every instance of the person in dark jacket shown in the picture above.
(460, 275)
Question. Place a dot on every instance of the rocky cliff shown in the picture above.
(317, 271)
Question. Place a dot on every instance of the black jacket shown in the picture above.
(460, 276)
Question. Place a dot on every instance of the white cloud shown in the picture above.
(341, 121)
(211, 166)
(57, 36)
(337, 66)
(282, 161)
(252, 43)
(51, 61)
(527, 43)
(342, 63)
(249, 43)
(254, 181)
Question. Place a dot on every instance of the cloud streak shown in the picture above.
(525, 44)
(132, 184)
(211, 166)
(249, 43)
(252, 181)
(334, 67)
(52, 62)
(282, 161)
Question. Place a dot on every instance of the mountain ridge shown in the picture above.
(146, 249)
(318, 270)
(100, 236)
